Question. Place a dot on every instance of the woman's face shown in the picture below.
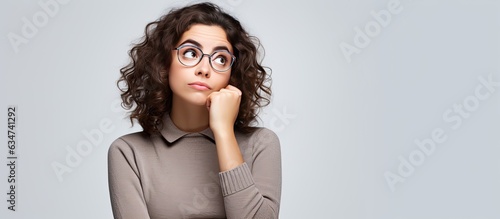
(193, 84)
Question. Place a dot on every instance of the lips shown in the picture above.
(199, 86)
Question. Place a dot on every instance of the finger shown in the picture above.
(233, 88)
(209, 99)
(207, 104)
(224, 90)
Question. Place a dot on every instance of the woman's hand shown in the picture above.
(223, 107)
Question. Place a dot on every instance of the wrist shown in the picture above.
(223, 132)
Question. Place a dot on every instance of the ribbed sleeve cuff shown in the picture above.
(236, 179)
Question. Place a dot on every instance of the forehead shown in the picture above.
(208, 36)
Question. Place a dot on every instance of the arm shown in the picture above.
(223, 109)
(127, 198)
(247, 193)
(256, 192)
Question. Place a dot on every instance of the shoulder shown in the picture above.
(263, 133)
(261, 146)
(129, 143)
(259, 137)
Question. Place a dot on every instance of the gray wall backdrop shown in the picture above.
(385, 109)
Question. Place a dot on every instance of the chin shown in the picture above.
(198, 99)
(193, 99)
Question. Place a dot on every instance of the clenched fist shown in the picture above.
(223, 107)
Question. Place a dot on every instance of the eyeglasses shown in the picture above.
(190, 55)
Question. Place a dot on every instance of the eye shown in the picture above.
(220, 60)
(190, 53)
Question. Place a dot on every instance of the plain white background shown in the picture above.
(344, 121)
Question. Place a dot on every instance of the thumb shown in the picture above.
(208, 102)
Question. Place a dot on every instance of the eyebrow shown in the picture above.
(194, 42)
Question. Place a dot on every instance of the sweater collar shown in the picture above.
(171, 133)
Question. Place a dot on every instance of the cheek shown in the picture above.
(225, 80)
(174, 65)
(174, 78)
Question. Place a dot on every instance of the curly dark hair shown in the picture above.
(144, 81)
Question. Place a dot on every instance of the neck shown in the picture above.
(188, 117)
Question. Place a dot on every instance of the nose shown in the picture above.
(203, 68)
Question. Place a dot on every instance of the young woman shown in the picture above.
(195, 86)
